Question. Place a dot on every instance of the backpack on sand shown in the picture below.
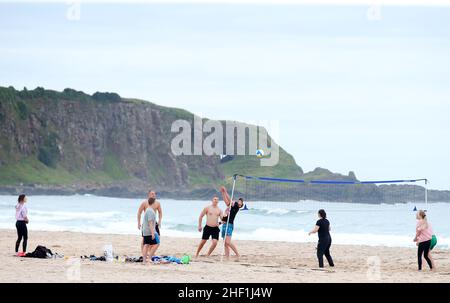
(40, 252)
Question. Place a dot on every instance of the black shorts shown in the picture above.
(212, 232)
(156, 229)
(149, 241)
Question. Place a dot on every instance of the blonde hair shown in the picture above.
(422, 214)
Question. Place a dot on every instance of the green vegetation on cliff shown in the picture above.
(70, 137)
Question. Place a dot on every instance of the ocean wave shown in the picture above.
(355, 224)
(300, 236)
(276, 211)
(182, 227)
(259, 234)
(68, 216)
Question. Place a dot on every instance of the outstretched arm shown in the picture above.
(314, 230)
(417, 236)
(159, 214)
(200, 219)
(418, 232)
(225, 196)
(139, 214)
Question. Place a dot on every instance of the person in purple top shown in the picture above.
(21, 223)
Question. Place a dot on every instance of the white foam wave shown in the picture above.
(65, 216)
(278, 211)
(264, 222)
(300, 236)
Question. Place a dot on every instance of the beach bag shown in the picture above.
(433, 242)
(41, 252)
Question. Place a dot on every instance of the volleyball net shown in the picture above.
(278, 190)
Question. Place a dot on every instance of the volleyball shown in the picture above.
(259, 153)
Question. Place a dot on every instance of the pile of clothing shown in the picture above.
(169, 259)
(42, 252)
(115, 258)
(156, 259)
(94, 258)
(134, 259)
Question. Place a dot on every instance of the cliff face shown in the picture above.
(84, 136)
(70, 142)
(76, 142)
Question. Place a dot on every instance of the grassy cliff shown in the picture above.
(73, 140)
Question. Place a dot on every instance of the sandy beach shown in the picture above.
(260, 262)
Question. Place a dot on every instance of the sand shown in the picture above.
(260, 262)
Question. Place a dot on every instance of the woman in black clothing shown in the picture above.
(322, 227)
(21, 223)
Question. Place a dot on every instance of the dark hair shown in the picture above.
(242, 200)
(21, 198)
(151, 201)
(322, 213)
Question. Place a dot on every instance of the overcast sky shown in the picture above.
(351, 90)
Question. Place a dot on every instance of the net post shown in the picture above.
(426, 194)
(228, 217)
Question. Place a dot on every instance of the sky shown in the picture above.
(353, 88)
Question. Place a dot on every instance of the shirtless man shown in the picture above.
(156, 207)
(213, 214)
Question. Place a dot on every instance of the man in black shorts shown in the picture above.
(150, 236)
(211, 230)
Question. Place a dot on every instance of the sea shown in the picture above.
(390, 225)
